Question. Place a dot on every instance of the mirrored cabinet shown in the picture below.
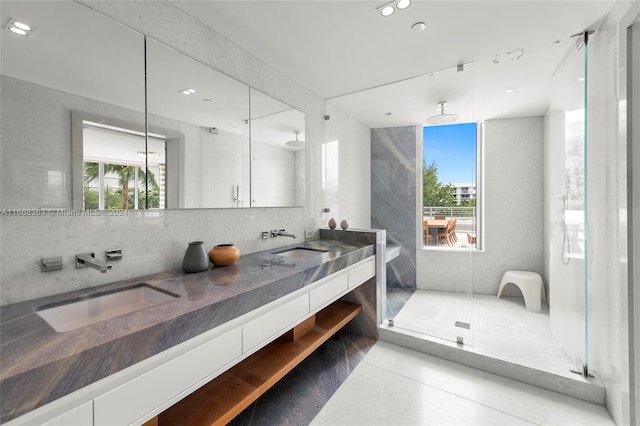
(89, 121)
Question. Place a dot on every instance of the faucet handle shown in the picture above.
(113, 254)
(48, 264)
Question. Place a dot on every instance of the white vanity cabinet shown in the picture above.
(139, 393)
(79, 416)
(155, 389)
(273, 323)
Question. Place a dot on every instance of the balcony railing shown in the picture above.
(449, 212)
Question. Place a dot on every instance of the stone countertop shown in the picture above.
(40, 365)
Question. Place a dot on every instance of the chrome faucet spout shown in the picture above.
(283, 233)
(88, 259)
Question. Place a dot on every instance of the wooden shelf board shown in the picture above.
(219, 401)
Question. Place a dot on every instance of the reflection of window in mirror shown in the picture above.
(115, 176)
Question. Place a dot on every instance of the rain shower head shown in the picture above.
(443, 118)
(296, 143)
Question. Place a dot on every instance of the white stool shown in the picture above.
(530, 284)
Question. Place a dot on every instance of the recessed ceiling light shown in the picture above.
(403, 4)
(580, 79)
(20, 28)
(387, 11)
(418, 26)
(509, 91)
(389, 113)
(207, 100)
(187, 91)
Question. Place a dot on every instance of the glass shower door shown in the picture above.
(568, 267)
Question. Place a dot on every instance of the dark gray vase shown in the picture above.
(195, 258)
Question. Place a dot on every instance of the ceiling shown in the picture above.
(381, 72)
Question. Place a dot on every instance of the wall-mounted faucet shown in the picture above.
(281, 233)
(89, 259)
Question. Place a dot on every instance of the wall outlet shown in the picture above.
(308, 233)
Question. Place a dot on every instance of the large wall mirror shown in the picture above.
(75, 59)
(73, 122)
(277, 153)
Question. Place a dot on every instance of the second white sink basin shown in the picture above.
(80, 312)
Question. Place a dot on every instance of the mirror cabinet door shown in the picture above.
(277, 153)
(74, 60)
(204, 117)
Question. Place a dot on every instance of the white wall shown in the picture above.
(352, 200)
(512, 237)
(155, 241)
(272, 175)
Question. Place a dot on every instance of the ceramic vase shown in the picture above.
(332, 223)
(344, 225)
(224, 254)
(195, 258)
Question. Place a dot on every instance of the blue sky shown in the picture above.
(453, 148)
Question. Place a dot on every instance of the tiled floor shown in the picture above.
(398, 386)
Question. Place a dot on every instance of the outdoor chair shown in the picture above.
(446, 233)
(452, 233)
(439, 217)
(425, 232)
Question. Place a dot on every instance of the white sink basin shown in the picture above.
(301, 252)
(80, 312)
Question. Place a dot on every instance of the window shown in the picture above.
(117, 169)
(449, 186)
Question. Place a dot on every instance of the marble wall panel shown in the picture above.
(393, 197)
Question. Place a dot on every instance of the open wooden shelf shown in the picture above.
(219, 401)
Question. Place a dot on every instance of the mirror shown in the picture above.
(198, 148)
(67, 63)
(277, 153)
(210, 111)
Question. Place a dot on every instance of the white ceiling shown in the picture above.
(339, 49)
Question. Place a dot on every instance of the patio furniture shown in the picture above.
(425, 232)
(446, 233)
(471, 238)
(439, 217)
(531, 286)
(436, 225)
(452, 232)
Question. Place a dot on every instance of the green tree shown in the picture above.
(125, 175)
(435, 193)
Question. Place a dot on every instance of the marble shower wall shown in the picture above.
(393, 197)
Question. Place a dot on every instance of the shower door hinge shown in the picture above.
(582, 369)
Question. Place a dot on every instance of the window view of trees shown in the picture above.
(449, 186)
(434, 192)
(119, 187)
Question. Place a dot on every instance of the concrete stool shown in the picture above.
(530, 284)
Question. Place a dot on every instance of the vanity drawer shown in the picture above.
(135, 399)
(362, 273)
(79, 416)
(274, 322)
(328, 291)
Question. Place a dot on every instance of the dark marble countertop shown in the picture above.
(40, 365)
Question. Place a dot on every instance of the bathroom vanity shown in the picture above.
(132, 367)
